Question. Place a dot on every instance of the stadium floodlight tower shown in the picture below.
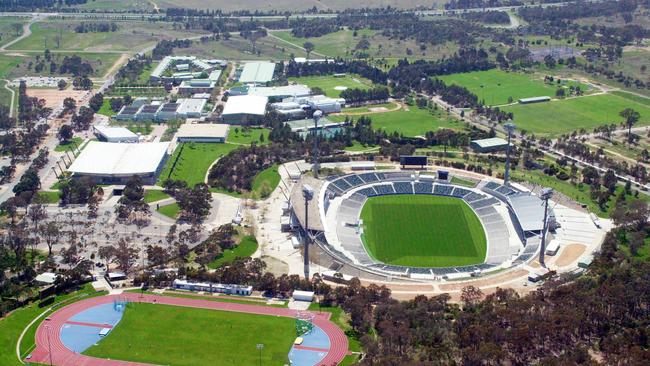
(308, 195)
(510, 127)
(318, 114)
(545, 195)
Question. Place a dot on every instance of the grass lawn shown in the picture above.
(237, 135)
(422, 231)
(169, 335)
(367, 109)
(247, 246)
(412, 122)
(48, 196)
(239, 48)
(190, 161)
(357, 146)
(7, 31)
(565, 116)
(13, 324)
(170, 210)
(153, 195)
(328, 82)
(269, 175)
(495, 86)
(106, 108)
(62, 147)
(632, 97)
(463, 182)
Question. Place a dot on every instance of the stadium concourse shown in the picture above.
(67, 332)
(511, 216)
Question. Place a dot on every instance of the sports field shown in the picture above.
(170, 335)
(329, 83)
(495, 86)
(412, 122)
(422, 231)
(564, 116)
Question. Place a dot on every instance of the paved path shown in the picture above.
(62, 356)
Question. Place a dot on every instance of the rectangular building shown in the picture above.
(257, 72)
(489, 145)
(244, 110)
(114, 134)
(202, 132)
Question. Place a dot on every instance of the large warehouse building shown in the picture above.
(202, 132)
(115, 134)
(257, 72)
(489, 145)
(109, 163)
(244, 110)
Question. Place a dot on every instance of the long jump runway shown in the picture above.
(50, 346)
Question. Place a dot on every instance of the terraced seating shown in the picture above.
(505, 190)
(358, 197)
(460, 192)
(484, 203)
(380, 176)
(442, 190)
(353, 180)
(385, 189)
(492, 185)
(368, 192)
(397, 176)
(424, 271)
(423, 188)
(369, 177)
(403, 187)
(342, 185)
(473, 196)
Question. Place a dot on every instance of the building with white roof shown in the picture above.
(114, 134)
(244, 110)
(489, 145)
(202, 132)
(190, 107)
(182, 64)
(278, 93)
(195, 86)
(46, 278)
(109, 163)
(257, 72)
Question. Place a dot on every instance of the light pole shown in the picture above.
(49, 344)
(308, 195)
(510, 127)
(545, 195)
(317, 115)
(260, 346)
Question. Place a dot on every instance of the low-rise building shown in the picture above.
(202, 132)
(229, 289)
(114, 134)
(244, 110)
(489, 145)
(257, 72)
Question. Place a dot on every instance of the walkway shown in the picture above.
(50, 329)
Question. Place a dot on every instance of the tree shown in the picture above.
(95, 103)
(157, 255)
(17, 28)
(65, 133)
(125, 255)
(309, 47)
(51, 233)
(62, 84)
(106, 253)
(631, 118)
(265, 189)
(69, 104)
(610, 180)
(132, 200)
(36, 213)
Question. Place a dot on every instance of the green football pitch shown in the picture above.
(422, 231)
(170, 335)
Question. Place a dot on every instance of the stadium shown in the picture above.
(427, 225)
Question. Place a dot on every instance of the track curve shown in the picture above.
(62, 356)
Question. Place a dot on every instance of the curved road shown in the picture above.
(48, 333)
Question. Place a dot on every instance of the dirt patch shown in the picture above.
(570, 254)
(402, 286)
(488, 281)
(275, 266)
(378, 109)
(54, 97)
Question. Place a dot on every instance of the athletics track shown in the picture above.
(62, 356)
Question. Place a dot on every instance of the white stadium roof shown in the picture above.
(246, 104)
(107, 159)
(257, 72)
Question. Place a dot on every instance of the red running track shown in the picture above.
(62, 356)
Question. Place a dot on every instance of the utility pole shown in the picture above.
(510, 127)
(317, 115)
(545, 195)
(260, 346)
(308, 195)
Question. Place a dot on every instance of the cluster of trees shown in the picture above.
(409, 74)
(337, 66)
(475, 4)
(166, 48)
(82, 120)
(73, 65)
(79, 191)
(31, 5)
(82, 83)
(96, 27)
(314, 27)
(579, 9)
(30, 109)
(489, 17)
(377, 94)
(131, 206)
(194, 203)
(220, 239)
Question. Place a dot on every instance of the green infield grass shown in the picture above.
(329, 83)
(565, 116)
(496, 86)
(170, 335)
(69, 145)
(190, 161)
(423, 231)
(412, 122)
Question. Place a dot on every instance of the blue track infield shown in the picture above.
(78, 337)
